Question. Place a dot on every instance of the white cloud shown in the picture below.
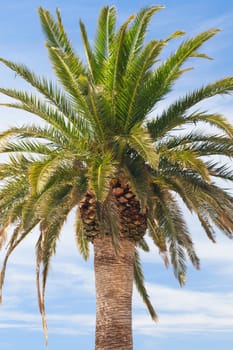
(180, 310)
(186, 311)
(226, 271)
(67, 324)
(219, 252)
(183, 323)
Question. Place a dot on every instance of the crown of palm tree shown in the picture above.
(98, 128)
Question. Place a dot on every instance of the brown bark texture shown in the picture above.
(114, 287)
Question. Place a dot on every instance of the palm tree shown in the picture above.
(124, 170)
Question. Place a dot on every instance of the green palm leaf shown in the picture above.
(81, 239)
(40, 173)
(104, 34)
(139, 140)
(176, 113)
(102, 171)
(139, 282)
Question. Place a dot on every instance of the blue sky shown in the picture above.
(200, 315)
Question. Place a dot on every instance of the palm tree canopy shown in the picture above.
(98, 128)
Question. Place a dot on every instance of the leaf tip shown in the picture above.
(182, 279)
(160, 7)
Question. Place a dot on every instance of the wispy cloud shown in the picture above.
(186, 311)
(222, 21)
(58, 323)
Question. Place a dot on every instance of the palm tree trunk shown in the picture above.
(114, 286)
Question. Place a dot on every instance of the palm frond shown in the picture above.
(90, 57)
(3, 234)
(54, 31)
(143, 245)
(201, 143)
(171, 221)
(223, 171)
(117, 63)
(218, 206)
(11, 247)
(33, 131)
(212, 205)
(137, 74)
(176, 114)
(216, 120)
(52, 93)
(141, 142)
(104, 34)
(119, 54)
(101, 172)
(12, 196)
(57, 39)
(170, 69)
(59, 190)
(81, 238)
(207, 226)
(50, 228)
(40, 173)
(193, 202)
(139, 27)
(139, 282)
(110, 219)
(164, 76)
(214, 146)
(176, 34)
(97, 117)
(26, 146)
(32, 104)
(68, 72)
(40, 296)
(187, 159)
(15, 166)
(11, 168)
(158, 236)
(139, 178)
